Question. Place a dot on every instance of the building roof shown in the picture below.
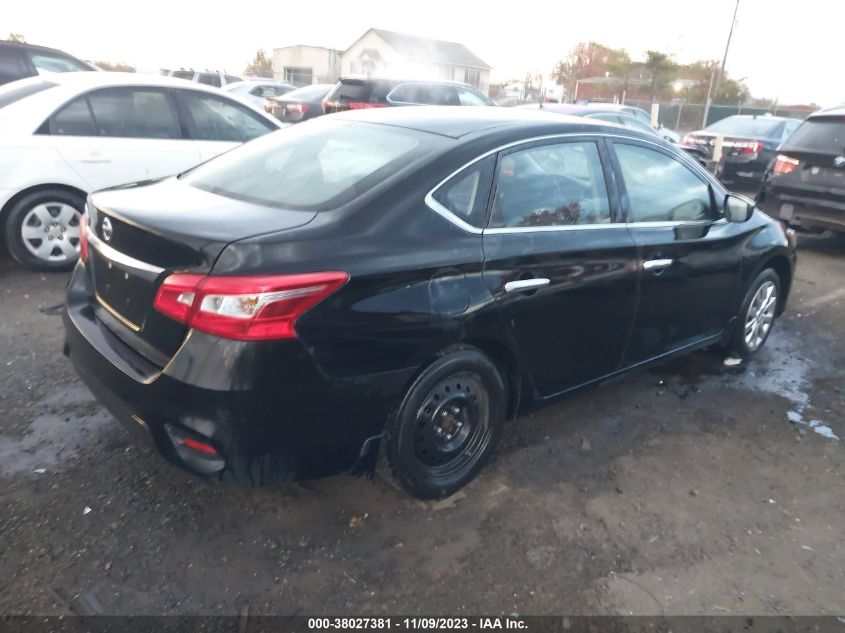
(423, 48)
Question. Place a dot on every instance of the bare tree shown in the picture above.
(261, 65)
(15, 37)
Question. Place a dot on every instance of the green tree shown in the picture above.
(661, 67)
(588, 59)
(15, 37)
(261, 65)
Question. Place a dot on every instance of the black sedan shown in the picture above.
(300, 104)
(750, 143)
(391, 286)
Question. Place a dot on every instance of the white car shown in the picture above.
(66, 135)
(257, 92)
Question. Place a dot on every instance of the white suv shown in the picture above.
(64, 136)
(209, 77)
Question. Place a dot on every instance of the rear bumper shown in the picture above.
(801, 211)
(266, 408)
(745, 173)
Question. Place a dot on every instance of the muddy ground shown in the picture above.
(691, 489)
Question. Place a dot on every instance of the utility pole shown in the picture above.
(727, 46)
(711, 89)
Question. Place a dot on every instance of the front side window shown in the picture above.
(558, 184)
(45, 62)
(210, 79)
(317, 166)
(470, 98)
(217, 119)
(660, 188)
(466, 193)
(134, 113)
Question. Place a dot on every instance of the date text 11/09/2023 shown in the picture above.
(416, 623)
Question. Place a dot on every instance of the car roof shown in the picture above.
(83, 80)
(574, 109)
(458, 121)
(834, 111)
(37, 47)
(405, 80)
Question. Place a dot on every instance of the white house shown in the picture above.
(303, 65)
(385, 53)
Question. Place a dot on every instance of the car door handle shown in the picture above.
(657, 265)
(526, 284)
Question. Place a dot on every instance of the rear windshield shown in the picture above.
(16, 91)
(352, 90)
(308, 93)
(820, 134)
(315, 166)
(745, 126)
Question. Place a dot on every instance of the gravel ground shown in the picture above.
(694, 488)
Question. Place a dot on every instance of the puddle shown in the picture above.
(54, 438)
(781, 369)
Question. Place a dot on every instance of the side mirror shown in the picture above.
(738, 209)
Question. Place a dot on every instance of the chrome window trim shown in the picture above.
(116, 256)
(682, 156)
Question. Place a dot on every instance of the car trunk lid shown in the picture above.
(136, 241)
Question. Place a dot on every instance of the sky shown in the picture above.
(784, 50)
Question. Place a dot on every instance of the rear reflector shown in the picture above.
(199, 447)
(785, 165)
(356, 105)
(259, 308)
(83, 235)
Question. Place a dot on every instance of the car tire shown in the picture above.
(757, 315)
(447, 425)
(53, 213)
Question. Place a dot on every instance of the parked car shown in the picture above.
(300, 104)
(66, 135)
(356, 93)
(406, 280)
(594, 112)
(214, 78)
(19, 60)
(641, 115)
(257, 91)
(805, 185)
(750, 145)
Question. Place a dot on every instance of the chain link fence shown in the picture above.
(686, 117)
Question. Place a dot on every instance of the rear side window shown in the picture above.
(218, 119)
(822, 134)
(660, 188)
(318, 166)
(558, 184)
(425, 94)
(353, 91)
(134, 113)
(12, 66)
(466, 193)
(74, 120)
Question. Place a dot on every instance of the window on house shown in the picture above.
(472, 77)
(299, 75)
(447, 73)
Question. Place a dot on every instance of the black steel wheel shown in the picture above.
(447, 425)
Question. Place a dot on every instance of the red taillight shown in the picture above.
(785, 165)
(83, 236)
(356, 105)
(297, 108)
(257, 308)
(745, 147)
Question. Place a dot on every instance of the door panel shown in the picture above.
(689, 256)
(564, 274)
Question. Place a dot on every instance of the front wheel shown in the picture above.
(757, 315)
(447, 425)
